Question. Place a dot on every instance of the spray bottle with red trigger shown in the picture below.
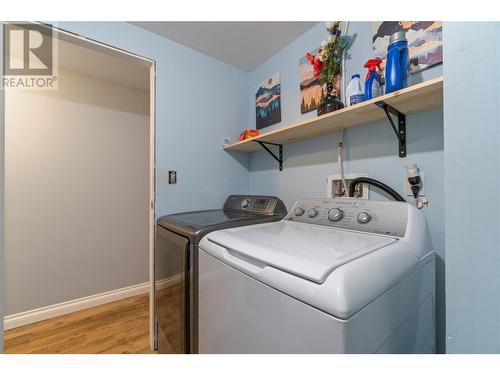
(373, 79)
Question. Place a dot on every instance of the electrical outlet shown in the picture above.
(172, 177)
(334, 187)
(408, 191)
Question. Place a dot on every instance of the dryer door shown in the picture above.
(171, 298)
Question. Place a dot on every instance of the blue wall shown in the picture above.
(200, 101)
(472, 159)
(371, 149)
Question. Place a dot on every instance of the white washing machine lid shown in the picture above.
(311, 252)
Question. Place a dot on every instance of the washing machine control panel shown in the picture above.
(379, 217)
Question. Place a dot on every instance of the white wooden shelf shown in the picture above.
(417, 98)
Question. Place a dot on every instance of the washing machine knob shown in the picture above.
(312, 212)
(364, 217)
(299, 211)
(335, 214)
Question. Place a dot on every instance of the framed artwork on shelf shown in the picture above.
(312, 91)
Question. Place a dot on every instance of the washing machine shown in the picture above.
(334, 276)
(176, 263)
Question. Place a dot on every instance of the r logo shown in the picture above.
(28, 49)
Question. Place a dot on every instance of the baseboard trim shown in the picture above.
(63, 308)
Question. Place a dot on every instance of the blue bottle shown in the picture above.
(397, 63)
(372, 80)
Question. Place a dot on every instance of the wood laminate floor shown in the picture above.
(116, 327)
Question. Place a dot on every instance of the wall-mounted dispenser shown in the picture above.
(415, 182)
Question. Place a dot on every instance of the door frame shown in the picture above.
(107, 48)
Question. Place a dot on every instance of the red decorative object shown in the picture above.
(316, 64)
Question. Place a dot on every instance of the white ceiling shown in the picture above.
(244, 45)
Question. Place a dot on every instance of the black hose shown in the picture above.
(376, 183)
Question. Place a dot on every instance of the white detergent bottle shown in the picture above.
(354, 92)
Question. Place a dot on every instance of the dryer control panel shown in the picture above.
(257, 204)
(379, 217)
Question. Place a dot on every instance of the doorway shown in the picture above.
(79, 185)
